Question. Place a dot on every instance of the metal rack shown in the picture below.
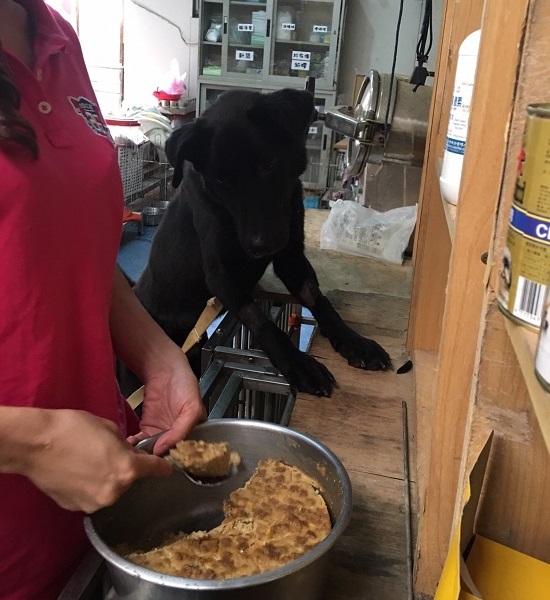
(238, 379)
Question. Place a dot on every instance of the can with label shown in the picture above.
(542, 355)
(524, 273)
(532, 192)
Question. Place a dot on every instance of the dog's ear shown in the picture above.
(286, 109)
(187, 142)
(176, 148)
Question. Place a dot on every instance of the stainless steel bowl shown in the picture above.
(152, 507)
(152, 215)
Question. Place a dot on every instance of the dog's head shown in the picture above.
(249, 149)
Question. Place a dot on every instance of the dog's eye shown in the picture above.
(267, 167)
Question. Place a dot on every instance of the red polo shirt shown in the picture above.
(60, 226)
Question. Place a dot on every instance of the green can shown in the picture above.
(532, 191)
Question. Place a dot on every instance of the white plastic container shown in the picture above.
(453, 157)
(542, 355)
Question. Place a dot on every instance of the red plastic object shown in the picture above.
(129, 215)
(164, 96)
(122, 122)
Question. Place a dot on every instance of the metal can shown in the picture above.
(542, 356)
(532, 191)
(524, 273)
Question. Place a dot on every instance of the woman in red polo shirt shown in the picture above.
(64, 309)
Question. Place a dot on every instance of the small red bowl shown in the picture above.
(164, 96)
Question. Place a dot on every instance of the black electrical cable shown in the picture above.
(422, 51)
(396, 44)
(426, 32)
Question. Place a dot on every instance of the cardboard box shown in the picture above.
(477, 568)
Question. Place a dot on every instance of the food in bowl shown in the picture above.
(275, 518)
(204, 459)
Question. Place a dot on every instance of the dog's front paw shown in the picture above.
(363, 353)
(308, 375)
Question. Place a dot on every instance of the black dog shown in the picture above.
(239, 207)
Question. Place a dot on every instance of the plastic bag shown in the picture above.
(173, 82)
(355, 229)
(214, 32)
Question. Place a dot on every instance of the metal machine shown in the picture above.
(388, 122)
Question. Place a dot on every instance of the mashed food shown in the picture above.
(204, 459)
(275, 518)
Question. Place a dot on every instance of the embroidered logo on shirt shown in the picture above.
(90, 113)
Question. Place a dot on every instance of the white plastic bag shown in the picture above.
(174, 81)
(355, 229)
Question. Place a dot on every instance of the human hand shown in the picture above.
(171, 403)
(83, 463)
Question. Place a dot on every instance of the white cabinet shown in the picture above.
(271, 45)
(274, 43)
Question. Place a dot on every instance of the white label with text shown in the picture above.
(244, 55)
(300, 65)
(299, 55)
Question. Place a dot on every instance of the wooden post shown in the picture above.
(463, 318)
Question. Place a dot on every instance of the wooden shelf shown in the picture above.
(524, 343)
(247, 46)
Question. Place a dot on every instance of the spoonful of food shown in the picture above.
(203, 462)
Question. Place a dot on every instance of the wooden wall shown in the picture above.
(478, 385)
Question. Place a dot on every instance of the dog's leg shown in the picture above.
(299, 277)
(302, 372)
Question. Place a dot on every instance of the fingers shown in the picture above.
(142, 465)
(142, 435)
(172, 437)
(168, 439)
(148, 465)
(180, 429)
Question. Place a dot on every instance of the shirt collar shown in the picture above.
(49, 36)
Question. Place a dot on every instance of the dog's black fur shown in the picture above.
(238, 208)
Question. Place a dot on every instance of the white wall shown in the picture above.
(152, 40)
(369, 37)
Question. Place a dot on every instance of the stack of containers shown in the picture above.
(525, 268)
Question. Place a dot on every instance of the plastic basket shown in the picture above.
(131, 144)
(130, 161)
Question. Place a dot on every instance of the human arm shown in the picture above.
(76, 458)
(171, 400)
